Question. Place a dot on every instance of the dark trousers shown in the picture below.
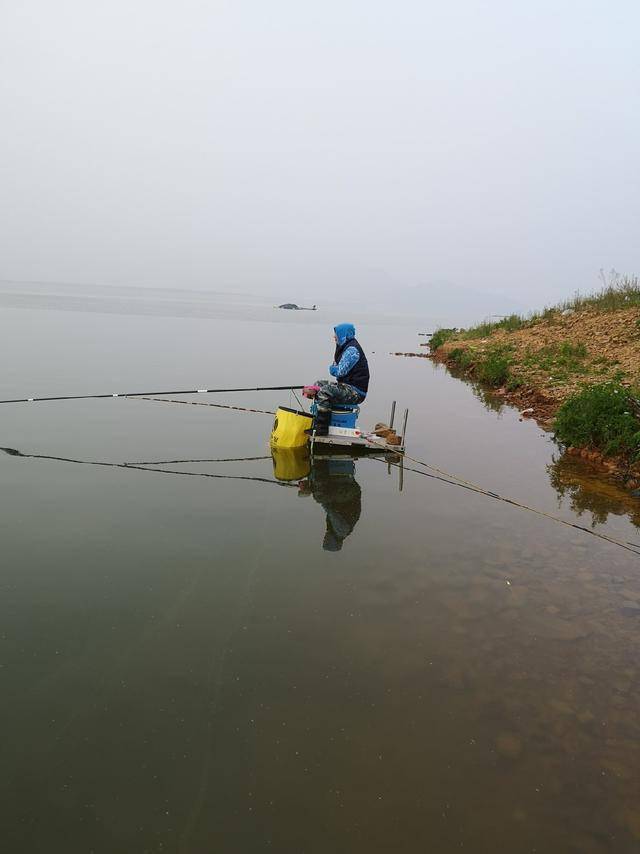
(331, 393)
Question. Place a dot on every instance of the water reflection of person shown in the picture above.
(333, 484)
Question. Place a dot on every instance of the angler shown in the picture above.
(351, 370)
(331, 423)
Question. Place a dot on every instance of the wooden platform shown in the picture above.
(362, 443)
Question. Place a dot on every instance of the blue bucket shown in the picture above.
(344, 417)
(341, 417)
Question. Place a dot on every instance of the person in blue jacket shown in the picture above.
(351, 370)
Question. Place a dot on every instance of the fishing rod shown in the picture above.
(152, 393)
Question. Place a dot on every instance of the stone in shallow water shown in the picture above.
(616, 765)
(509, 745)
(586, 716)
(630, 609)
(551, 627)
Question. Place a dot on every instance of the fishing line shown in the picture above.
(151, 393)
(297, 399)
(216, 476)
(13, 452)
(198, 403)
(203, 460)
(454, 480)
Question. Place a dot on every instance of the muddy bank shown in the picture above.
(540, 404)
(573, 368)
(530, 401)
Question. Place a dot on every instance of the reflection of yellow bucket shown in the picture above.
(288, 428)
(290, 463)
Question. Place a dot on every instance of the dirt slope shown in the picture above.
(611, 343)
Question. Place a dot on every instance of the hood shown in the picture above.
(344, 332)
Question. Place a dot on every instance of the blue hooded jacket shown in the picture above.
(349, 355)
(344, 331)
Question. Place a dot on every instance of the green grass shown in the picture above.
(491, 366)
(601, 417)
(509, 324)
(461, 358)
(494, 367)
(618, 292)
(572, 351)
(439, 337)
(514, 383)
(560, 361)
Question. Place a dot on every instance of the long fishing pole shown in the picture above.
(152, 393)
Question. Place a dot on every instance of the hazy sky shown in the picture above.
(287, 147)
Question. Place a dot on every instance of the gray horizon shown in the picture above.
(413, 155)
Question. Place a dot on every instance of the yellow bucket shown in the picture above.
(290, 463)
(288, 428)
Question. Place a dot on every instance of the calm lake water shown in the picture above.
(193, 660)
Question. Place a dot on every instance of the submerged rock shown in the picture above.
(550, 627)
(630, 609)
(509, 745)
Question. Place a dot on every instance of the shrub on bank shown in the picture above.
(602, 417)
(461, 358)
(439, 337)
(494, 368)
